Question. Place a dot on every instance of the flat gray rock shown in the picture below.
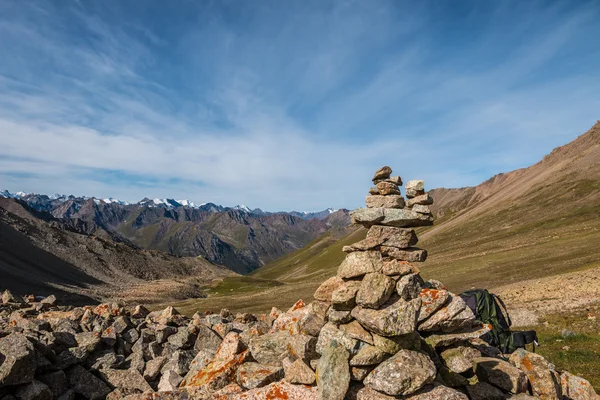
(333, 372)
(398, 318)
(402, 374)
(401, 218)
(360, 263)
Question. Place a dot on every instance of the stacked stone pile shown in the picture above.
(376, 330)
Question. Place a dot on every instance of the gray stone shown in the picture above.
(325, 291)
(183, 339)
(389, 201)
(382, 173)
(375, 290)
(393, 344)
(459, 359)
(387, 188)
(398, 318)
(330, 333)
(411, 254)
(438, 392)
(544, 380)
(409, 286)
(253, 375)
(153, 368)
(401, 218)
(447, 339)
(163, 332)
(443, 316)
(333, 372)
(201, 360)
(179, 362)
(403, 374)
(431, 301)
(356, 331)
(50, 300)
(368, 355)
(343, 298)
(271, 348)
(576, 388)
(414, 188)
(485, 391)
(500, 374)
(421, 209)
(398, 268)
(384, 236)
(423, 199)
(339, 316)
(86, 384)
(34, 390)
(298, 372)
(360, 263)
(169, 381)
(207, 339)
(125, 379)
(17, 360)
(56, 381)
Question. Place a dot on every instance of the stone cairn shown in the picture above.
(377, 330)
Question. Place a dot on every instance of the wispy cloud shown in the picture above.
(286, 106)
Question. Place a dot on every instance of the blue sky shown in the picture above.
(287, 104)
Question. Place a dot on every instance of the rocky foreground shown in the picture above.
(374, 331)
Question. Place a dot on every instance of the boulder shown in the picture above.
(207, 339)
(409, 287)
(398, 268)
(329, 333)
(438, 392)
(423, 199)
(356, 331)
(500, 374)
(128, 380)
(298, 372)
(344, 297)
(445, 314)
(333, 372)
(393, 344)
(398, 318)
(169, 381)
(17, 360)
(485, 391)
(359, 263)
(401, 218)
(431, 301)
(221, 370)
(253, 375)
(446, 339)
(459, 358)
(338, 316)
(544, 380)
(56, 381)
(382, 173)
(375, 290)
(271, 348)
(411, 254)
(325, 291)
(86, 384)
(384, 236)
(387, 188)
(414, 188)
(402, 374)
(34, 390)
(389, 201)
(368, 355)
(276, 390)
(576, 388)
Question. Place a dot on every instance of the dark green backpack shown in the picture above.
(490, 309)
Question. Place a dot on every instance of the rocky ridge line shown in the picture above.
(374, 331)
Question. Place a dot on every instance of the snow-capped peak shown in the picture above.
(187, 203)
(110, 200)
(242, 207)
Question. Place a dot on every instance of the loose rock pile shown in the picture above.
(377, 330)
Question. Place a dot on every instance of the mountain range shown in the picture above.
(517, 229)
(237, 237)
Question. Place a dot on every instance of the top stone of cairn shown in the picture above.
(382, 173)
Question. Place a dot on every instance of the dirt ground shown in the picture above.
(529, 300)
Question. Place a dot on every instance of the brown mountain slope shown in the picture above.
(41, 254)
(528, 223)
